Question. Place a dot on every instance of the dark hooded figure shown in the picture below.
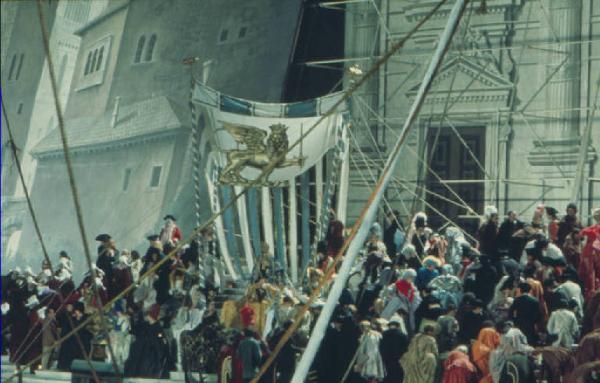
(148, 353)
(510, 245)
(337, 349)
(392, 346)
(486, 278)
(525, 312)
(285, 363)
(488, 235)
(71, 349)
(472, 322)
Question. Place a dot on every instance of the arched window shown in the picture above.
(93, 64)
(13, 62)
(150, 48)
(140, 49)
(100, 57)
(63, 67)
(87, 63)
(20, 66)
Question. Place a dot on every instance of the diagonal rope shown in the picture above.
(71, 175)
(268, 168)
(18, 352)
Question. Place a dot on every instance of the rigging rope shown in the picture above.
(19, 351)
(73, 186)
(226, 206)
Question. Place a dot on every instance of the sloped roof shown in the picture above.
(155, 116)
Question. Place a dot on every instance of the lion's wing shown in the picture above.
(250, 136)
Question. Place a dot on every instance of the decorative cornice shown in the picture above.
(559, 152)
(416, 11)
(112, 145)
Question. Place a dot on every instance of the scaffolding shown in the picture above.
(371, 111)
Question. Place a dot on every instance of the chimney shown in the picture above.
(115, 113)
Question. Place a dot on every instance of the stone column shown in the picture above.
(562, 92)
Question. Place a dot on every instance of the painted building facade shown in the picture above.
(504, 121)
(128, 118)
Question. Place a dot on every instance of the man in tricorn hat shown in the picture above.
(170, 234)
(107, 254)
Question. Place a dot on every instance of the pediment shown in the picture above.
(467, 79)
(468, 73)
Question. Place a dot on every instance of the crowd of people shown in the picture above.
(517, 302)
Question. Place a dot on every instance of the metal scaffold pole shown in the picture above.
(369, 211)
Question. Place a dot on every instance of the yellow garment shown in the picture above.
(230, 314)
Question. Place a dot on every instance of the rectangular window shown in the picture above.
(155, 176)
(20, 66)
(223, 35)
(126, 177)
(20, 108)
(242, 32)
(96, 60)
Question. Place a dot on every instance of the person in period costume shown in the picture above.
(170, 234)
(70, 348)
(369, 363)
(589, 266)
(335, 235)
(107, 254)
(458, 368)
(456, 244)
(419, 233)
(154, 255)
(285, 363)
(200, 346)
(526, 314)
(420, 361)
(471, 321)
(552, 217)
(121, 277)
(404, 295)
(511, 343)
(448, 327)
(429, 310)
(567, 224)
(557, 362)
(589, 348)
(136, 266)
(392, 346)
(211, 258)
(337, 349)
(148, 353)
(485, 279)
(486, 342)
(506, 240)
(393, 235)
(188, 317)
(591, 316)
(64, 270)
(488, 233)
(563, 326)
(409, 258)
(120, 336)
(249, 352)
(427, 272)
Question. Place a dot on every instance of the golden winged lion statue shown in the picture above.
(258, 154)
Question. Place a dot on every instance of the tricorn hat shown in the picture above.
(169, 216)
(103, 237)
(153, 237)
